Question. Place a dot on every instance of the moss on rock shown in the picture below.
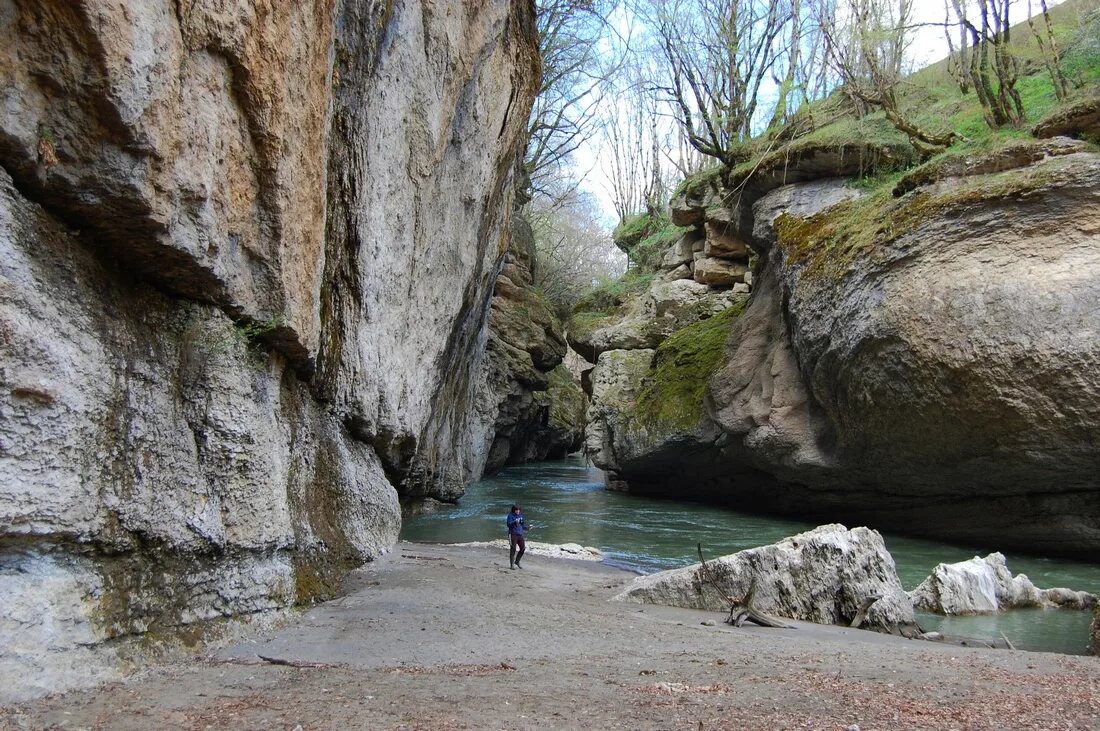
(672, 394)
(827, 243)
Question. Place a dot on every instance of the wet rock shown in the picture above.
(824, 575)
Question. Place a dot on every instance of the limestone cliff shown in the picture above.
(247, 255)
(920, 356)
(531, 408)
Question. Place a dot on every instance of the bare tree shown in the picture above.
(572, 247)
(866, 43)
(574, 73)
(719, 54)
(991, 59)
(1049, 50)
(633, 136)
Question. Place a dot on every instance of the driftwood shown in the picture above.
(294, 663)
(861, 614)
(741, 610)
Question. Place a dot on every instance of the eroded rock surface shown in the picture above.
(924, 363)
(825, 575)
(985, 585)
(247, 251)
(531, 407)
(1094, 634)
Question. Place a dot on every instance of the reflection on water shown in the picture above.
(566, 503)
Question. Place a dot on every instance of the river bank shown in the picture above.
(447, 637)
(567, 502)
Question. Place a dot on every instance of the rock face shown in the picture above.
(823, 576)
(923, 363)
(531, 407)
(985, 585)
(247, 250)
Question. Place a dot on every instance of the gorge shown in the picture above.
(264, 282)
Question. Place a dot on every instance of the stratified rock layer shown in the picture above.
(825, 575)
(530, 406)
(246, 250)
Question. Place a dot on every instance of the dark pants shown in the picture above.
(517, 542)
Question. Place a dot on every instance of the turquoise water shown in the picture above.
(566, 502)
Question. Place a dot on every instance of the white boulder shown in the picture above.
(984, 586)
(824, 575)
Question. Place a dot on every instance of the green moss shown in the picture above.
(649, 252)
(583, 324)
(631, 231)
(699, 184)
(826, 244)
(317, 576)
(645, 238)
(672, 395)
(609, 296)
(567, 401)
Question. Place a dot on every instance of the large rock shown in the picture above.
(824, 575)
(985, 585)
(247, 254)
(1079, 119)
(924, 364)
(719, 272)
(667, 306)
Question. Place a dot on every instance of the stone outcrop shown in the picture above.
(247, 254)
(662, 310)
(825, 575)
(1080, 119)
(985, 585)
(531, 407)
(920, 363)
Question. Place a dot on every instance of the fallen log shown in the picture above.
(742, 610)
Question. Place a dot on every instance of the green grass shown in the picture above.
(609, 295)
(672, 394)
(697, 185)
(632, 230)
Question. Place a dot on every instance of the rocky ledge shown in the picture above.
(922, 360)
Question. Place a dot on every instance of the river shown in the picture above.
(566, 502)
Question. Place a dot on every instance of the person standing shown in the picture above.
(517, 529)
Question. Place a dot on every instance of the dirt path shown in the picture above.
(434, 637)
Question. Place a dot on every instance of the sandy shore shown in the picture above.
(447, 637)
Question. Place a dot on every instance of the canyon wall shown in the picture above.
(248, 250)
(921, 357)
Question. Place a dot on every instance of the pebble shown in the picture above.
(708, 623)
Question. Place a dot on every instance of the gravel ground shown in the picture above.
(446, 637)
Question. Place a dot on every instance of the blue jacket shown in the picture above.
(517, 526)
